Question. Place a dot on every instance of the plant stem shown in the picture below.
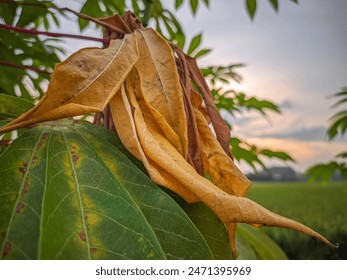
(147, 12)
(25, 67)
(5, 142)
(51, 34)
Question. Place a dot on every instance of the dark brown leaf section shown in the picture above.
(7, 249)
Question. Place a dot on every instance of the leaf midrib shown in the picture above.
(79, 195)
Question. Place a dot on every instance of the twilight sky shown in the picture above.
(296, 58)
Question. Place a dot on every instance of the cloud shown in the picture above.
(305, 153)
(304, 133)
(286, 104)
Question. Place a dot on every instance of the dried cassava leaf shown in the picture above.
(159, 119)
(219, 125)
(84, 83)
(160, 89)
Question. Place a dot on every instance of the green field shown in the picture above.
(323, 207)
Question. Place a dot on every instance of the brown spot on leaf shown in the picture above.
(82, 236)
(23, 169)
(75, 158)
(20, 206)
(92, 250)
(25, 187)
(7, 249)
(43, 138)
(34, 159)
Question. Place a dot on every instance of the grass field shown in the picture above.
(323, 207)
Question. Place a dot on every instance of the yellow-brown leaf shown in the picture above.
(160, 87)
(84, 83)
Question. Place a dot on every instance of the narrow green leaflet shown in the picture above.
(65, 193)
(178, 3)
(8, 12)
(196, 41)
(194, 6)
(251, 6)
(274, 154)
(274, 4)
(12, 106)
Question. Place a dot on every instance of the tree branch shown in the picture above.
(51, 34)
(25, 67)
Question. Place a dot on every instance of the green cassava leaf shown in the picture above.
(209, 225)
(252, 243)
(177, 236)
(338, 125)
(194, 44)
(264, 247)
(178, 3)
(275, 154)
(8, 12)
(202, 52)
(194, 6)
(245, 250)
(274, 4)
(65, 193)
(207, 3)
(91, 8)
(12, 106)
(324, 171)
(251, 6)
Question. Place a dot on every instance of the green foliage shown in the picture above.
(263, 246)
(210, 227)
(222, 74)
(325, 171)
(338, 121)
(12, 106)
(66, 170)
(338, 127)
(19, 53)
(251, 6)
(253, 155)
(274, 4)
(76, 169)
(309, 204)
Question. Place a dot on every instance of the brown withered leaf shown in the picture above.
(150, 140)
(219, 125)
(223, 171)
(159, 118)
(194, 149)
(160, 89)
(84, 83)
